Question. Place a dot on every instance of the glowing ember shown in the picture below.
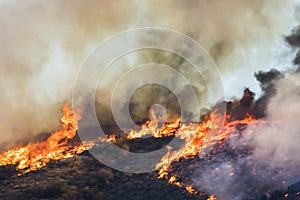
(212, 197)
(36, 155)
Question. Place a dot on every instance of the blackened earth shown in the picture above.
(83, 177)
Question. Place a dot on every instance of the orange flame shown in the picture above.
(196, 136)
(212, 197)
(36, 155)
(196, 139)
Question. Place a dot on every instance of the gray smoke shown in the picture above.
(241, 36)
(271, 162)
(43, 45)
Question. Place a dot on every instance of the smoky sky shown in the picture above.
(272, 161)
(43, 45)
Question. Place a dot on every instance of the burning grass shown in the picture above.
(197, 138)
(36, 155)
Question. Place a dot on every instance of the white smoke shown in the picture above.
(241, 36)
(44, 43)
(274, 163)
(42, 47)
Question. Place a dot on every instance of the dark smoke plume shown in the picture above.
(253, 167)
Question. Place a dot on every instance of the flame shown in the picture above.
(286, 195)
(197, 138)
(151, 127)
(212, 197)
(195, 135)
(36, 155)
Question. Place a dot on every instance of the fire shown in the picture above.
(193, 134)
(196, 140)
(212, 197)
(151, 127)
(36, 155)
(196, 137)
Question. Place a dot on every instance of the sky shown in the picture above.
(44, 44)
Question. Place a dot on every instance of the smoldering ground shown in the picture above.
(271, 161)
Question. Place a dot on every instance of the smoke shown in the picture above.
(293, 40)
(268, 85)
(43, 45)
(267, 160)
(146, 96)
(248, 38)
(241, 36)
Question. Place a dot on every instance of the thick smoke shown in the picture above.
(241, 36)
(43, 45)
(267, 160)
(294, 41)
(146, 96)
(268, 85)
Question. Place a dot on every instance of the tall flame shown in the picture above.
(196, 136)
(36, 155)
(196, 139)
